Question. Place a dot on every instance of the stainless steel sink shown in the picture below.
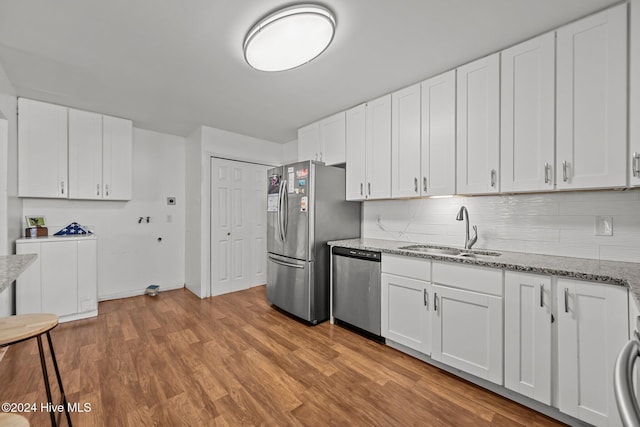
(447, 251)
(433, 250)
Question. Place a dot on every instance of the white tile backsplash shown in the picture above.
(553, 224)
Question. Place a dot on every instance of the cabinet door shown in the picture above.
(438, 135)
(87, 276)
(405, 142)
(528, 115)
(634, 94)
(527, 330)
(85, 155)
(405, 312)
(309, 142)
(478, 130)
(28, 284)
(378, 150)
(332, 139)
(42, 149)
(467, 331)
(59, 275)
(356, 153)
(117, 158)
(592, 101)
(592, 328)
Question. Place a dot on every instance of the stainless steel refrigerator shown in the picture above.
(306, 207)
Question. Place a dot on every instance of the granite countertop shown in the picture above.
(11, 266)
(613, 272)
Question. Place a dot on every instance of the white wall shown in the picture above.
(228, 145)
(555, 224)
(289, 152)
(193, 195)
(10, 204)
(129, 256)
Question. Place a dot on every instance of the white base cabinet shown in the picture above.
(467, 319)
(527, 334)
(592, 328)
(63, 280)
(406, 293)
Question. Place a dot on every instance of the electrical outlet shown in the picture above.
(171, 200)
(604, 226)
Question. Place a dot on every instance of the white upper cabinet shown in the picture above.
(117, 155)
(42, 149)
(94, 150)
(592, 328)
(356, 170)
(379, 148)
(634, 93)
(527, 334)
(527, 134)
(100, 156)
(592, 101)
(333, 139)
(405, 142)
(85, 155)
(323, 141)
(309, 142)
(368, 150)
(438, 135)
(478, 126)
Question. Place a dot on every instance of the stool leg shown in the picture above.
(46, 379)
(55, 366)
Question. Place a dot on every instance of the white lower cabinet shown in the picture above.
(467, 319)
(592, 328)
(406, 293)
(527, 335)
(62, 280)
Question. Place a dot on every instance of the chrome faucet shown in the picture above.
(468, 243)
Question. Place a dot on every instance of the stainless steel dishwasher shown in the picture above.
(356, 288)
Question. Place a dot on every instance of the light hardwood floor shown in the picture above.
(176, 360)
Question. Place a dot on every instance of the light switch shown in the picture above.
(604, 226)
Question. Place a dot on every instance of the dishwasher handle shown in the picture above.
(357, 253)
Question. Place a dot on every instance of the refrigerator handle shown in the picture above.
(286, 264)
(285, 217)
(280, 209)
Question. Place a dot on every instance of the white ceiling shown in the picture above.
(173, 65)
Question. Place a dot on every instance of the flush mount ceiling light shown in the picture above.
(289, 37)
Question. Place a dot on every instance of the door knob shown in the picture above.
(229, 234)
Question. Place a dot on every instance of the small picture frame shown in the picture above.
(35, 221)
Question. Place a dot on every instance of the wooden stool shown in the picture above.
(13, 420)
(14, 329)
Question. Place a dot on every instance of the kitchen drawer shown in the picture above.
(472, 278)
(414, 268)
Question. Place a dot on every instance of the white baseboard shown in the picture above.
(137, 292)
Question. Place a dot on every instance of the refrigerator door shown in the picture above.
(275, 191)
(288, 285)
(298, 205)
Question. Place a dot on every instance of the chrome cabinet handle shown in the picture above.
(107, 189)
(493, 177)
(320, 157)
(547, 169)
(435, 302)
(61, 187)
(541, 295)
(424, 297)
(415, 185)
(97, 189)
(565, 166)
(566, 300)
(636, 164)
(424, 183)
(361, 189)
(369, 185)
